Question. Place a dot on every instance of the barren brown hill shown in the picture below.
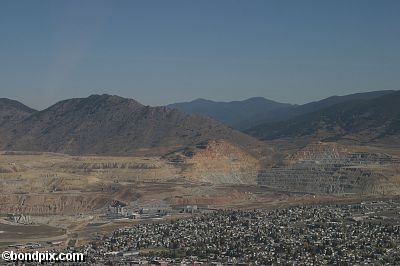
(104, 124)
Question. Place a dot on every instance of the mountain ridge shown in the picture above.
(106, 124)
(230, 112)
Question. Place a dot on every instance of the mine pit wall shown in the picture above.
(355, 159)
(326, 168)
(317, 179)
(50, 204)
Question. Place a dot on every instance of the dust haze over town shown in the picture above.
(201, 132)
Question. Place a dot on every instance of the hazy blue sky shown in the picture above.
(160, 52)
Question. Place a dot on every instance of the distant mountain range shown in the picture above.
(233, 113)
(361, 117)
(255, 111)
(105, 124)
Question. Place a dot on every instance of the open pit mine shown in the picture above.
(56, 195)
(63, 200)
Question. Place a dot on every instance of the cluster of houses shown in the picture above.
(365, 233)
